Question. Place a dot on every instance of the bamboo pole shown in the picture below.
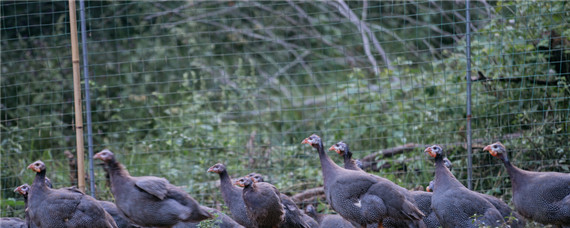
(77, 98)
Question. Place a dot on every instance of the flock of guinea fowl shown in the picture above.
(360, 199)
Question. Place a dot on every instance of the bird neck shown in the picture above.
(116, 170)
(250, 188)
(227, 187)
(39, 188)
(327, 164)
(225, 180)
(25, 201)
(444, 179)
(350, 163)
(514, 172)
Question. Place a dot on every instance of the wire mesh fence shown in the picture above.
(179, 86)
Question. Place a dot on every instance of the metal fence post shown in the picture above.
(468, 78)
(85, 53)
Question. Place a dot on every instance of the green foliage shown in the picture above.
(174, 92)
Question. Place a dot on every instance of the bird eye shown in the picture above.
(494, 146)
(434, 148)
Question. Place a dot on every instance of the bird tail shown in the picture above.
(412, 211)
(110, 221)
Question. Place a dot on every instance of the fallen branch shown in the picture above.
(311, 194)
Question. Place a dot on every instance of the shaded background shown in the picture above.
(179, 86)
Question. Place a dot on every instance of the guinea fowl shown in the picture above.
(363, 198)
(221, 221)
(109, 207)
(149, 200)
(454, 204)
(326, 221)
(422, 199)
(342, 149)
(262, 202)
(232, 196)
(24, 190)
(294, 217)
(514, 219)
(67, 207)
(541, 196)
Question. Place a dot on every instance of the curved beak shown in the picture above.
(430, 152)
(238, 183)
(98, 156)
(305, 141)
(33, 167)
(333, 147)
(211, 169)
(490, 149)
(17, 189)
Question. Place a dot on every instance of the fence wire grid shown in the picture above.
(179, 86)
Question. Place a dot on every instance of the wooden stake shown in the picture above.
(77, 98)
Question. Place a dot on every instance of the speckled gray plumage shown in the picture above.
(120, 219)
(422, 199)
(326, 221)
(221, 221)
(541, 196)
(455, 205)
(293, 215)
(148, 200)
(66, 207)
(517, 221)
(423, 202)
(360, 197)
(12, 222)
(263, 204)
(232, 196)
(311, 222)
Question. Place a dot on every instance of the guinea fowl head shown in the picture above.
(256, 177)
(311, 210)
(496, 149)
(244, 182)
(217, 168)
(434, 151)
(105, 155)
(341, 148)
(37, 166)
(313, 140)
(429, 188)
(22, 189)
